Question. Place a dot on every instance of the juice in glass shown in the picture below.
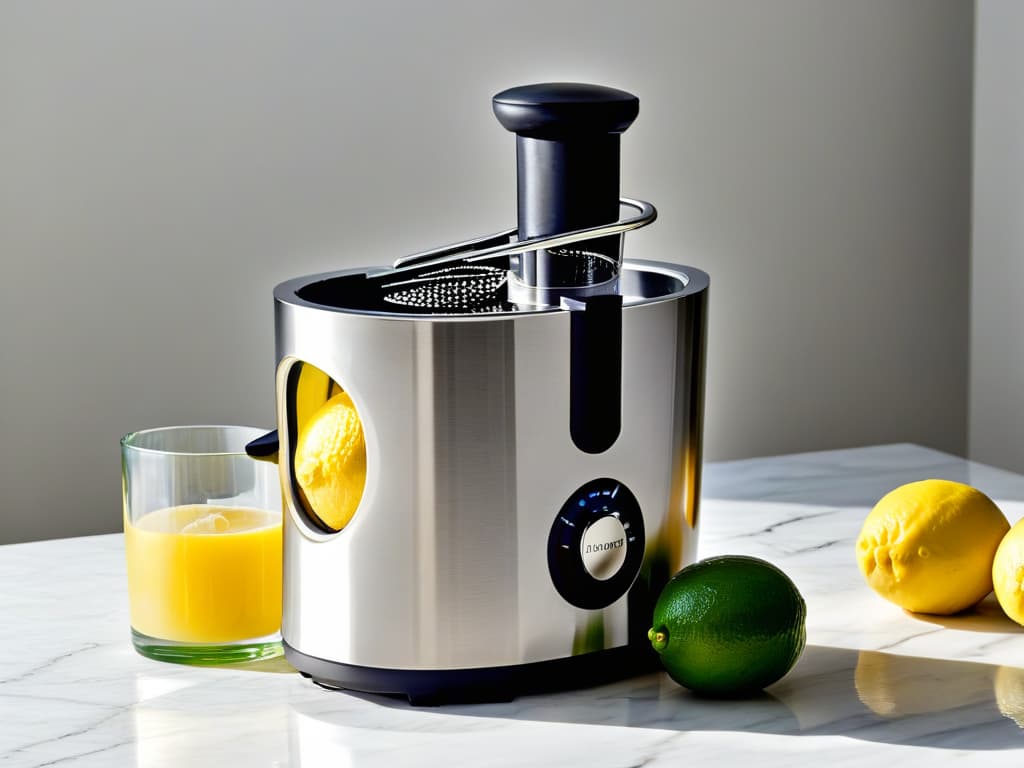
(201, 573)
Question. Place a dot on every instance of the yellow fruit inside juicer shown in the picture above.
(928, 546)
(330, 461)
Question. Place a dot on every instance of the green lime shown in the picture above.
(729, 625)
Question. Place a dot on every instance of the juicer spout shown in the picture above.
(264, 448)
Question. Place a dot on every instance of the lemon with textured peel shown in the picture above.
(928, 546)
(1008, 573)
(330, 461)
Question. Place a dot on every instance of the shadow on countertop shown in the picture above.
(866, 695)
(986, 616)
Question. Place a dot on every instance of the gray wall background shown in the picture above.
(997, 271)
(163, 165)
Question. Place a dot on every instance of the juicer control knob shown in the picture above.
(596, 544)
(603, 547)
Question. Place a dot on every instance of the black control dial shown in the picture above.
(596, 544)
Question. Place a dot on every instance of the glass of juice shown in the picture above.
(202, 524)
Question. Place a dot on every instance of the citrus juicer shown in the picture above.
(531, 405)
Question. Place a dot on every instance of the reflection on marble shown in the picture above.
(874, 683)
(867, 695)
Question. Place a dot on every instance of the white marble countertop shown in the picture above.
(875, 684)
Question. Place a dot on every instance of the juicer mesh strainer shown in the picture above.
(472, 287)
(475, 276)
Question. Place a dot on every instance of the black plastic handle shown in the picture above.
(567, 155)
(559, 111)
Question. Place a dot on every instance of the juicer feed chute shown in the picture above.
(567, 161)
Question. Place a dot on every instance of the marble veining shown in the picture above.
(874, 683)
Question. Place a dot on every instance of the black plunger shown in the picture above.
(567, 156)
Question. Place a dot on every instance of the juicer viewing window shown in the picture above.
(325, 462)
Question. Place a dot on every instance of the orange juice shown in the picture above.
(204, 573)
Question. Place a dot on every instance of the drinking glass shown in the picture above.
(202, 523)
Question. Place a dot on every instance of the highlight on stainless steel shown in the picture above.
(467, 253)
(455, 249)
(538, 296)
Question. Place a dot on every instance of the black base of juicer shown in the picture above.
(490, 684)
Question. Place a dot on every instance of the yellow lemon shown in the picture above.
(1008, 573)
(330, 461)
(928, 546)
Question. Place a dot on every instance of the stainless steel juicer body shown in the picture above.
(532, 412)
(446, 565)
